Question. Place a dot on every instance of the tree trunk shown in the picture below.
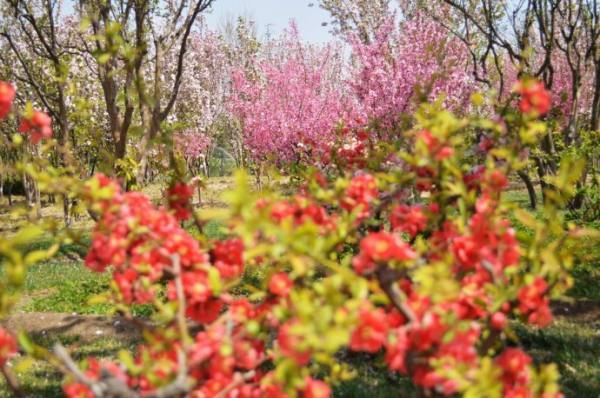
(530, 188)
(595, 123)
(66, 213)
(541, 172)
(9, 189)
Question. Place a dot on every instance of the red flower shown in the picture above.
(383, 246)
(316, 389)
(514, 363)
(94, 370)
(38, 126)
(205, 312)
(462, 346)
(273, 391)
(7, 95)
(498, 320)
(428, 332)
(8, 346)
(125, 281)
(409, 219)
(179, 196)
(423, 180)
(535, 98)
(228, 257)
(77, 390)
(195, 287)
(396, 348)
(485, 144)
(466, 251)
(361, 192)
(531, 296)
(280, 284)
(541, 317)
(534, 304)
(434, 146)
(289, 341)
(363, 264)
(242, 309)
(248, 354)
(282, 210)
(518, 392)
(474, 177)
(497, 181)
(371, 332)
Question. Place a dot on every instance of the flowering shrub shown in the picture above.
(293, 100)
(193, 144)
(413, 260)
(420, 58)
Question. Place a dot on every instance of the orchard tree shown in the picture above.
(38, 50)
(38, 57)
(290, 101)
(554, 41)
(140, 49)
(406, 64)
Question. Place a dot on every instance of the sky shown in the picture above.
(274, 15)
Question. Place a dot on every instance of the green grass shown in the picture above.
(64, 286)
(370, 381)
(574, 347)
(587, 282)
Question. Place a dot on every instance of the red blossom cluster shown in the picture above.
(381, 247)
(178, 197)
(534, 97)
(144, 245)
(516, 374)
(7, 96)
(228, 257)
(359, 195)
(437, 149)
(8, 346)
(354, 148)
(487, 249)
(290, 342)
(408, 219)
(300, 209)
(38, 125)
(142, 242)
(534, 303)
(280, 284)
(415, 340)
(93, 370)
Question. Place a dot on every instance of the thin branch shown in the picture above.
(387, 278)
(238, 380)
(201, 5)
(12, 381)
(32, 81)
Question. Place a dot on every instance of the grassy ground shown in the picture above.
(573, 341)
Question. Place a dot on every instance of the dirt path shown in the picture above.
(86, 328)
